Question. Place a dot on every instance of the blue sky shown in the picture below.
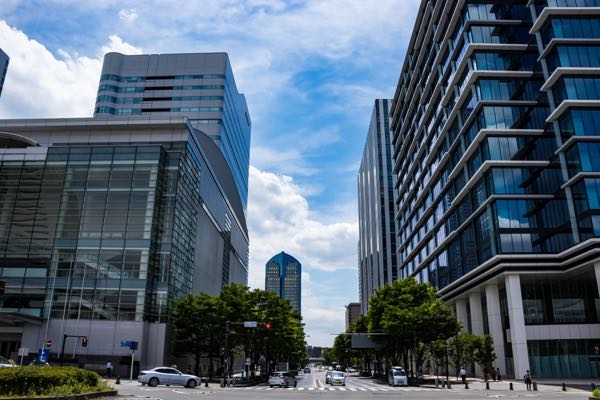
(310, 71)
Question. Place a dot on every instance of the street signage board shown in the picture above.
(248, 361)
(125, 343)
(250, 324)
(23, 351)
(43, 355)
(133, 345)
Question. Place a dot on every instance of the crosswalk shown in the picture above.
(340, 389)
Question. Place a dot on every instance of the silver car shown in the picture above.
(337, 378)
(168, 376)
(282, 379)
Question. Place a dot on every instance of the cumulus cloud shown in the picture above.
(128, 15)
(280, 220)
(39, 84)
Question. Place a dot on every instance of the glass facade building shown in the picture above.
(283, 276)
(104, 223)
(495, 122)
(378, 262)
(200, 86)
(4, 59)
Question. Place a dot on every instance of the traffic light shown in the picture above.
(84, 341)
(267, 325)
(264, 325)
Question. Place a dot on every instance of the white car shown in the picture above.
(282, 379)
(397, 376)
(6, 363)
(168, 376)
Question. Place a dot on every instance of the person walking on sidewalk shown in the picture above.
(493, 372)
(463, 375)
(109, 368)
(527, 379)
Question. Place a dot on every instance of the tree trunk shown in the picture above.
(210, 371)
(197, 363)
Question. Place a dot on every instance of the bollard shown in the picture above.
(466, 385)
(206, 383)
(535, 386)
(593, 386)
(449, 387)
(222, 382)
(487, 385)
(564, 387)
(510, 387)
(118, 381)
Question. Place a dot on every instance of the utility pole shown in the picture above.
(225, 356)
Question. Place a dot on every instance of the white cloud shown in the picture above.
(128, 15)
(40, 85)
(279, 219)
(117, 44)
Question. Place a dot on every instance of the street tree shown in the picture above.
(484, 354)
(409, 313)
(462, 348)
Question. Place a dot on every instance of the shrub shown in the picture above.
(596, 393)
(40, 381)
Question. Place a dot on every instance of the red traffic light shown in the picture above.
(84, 341)
(268, 325)
(48, 343)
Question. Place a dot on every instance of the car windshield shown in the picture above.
(338, 374)
(399, 373)
(4, 360)
(277, 374)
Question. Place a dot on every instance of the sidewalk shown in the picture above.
(545, 385)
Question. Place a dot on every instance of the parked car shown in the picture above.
(168, 376)
(397, 376)
(328, 377)
(6, 363)
(337, 378)
(307, 370)
(280, 379)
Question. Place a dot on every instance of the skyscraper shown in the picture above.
(494, 122)
(4, 59)
(352, 314)
(378, 264)
(199, 86)
(284, 277)
(104, 224)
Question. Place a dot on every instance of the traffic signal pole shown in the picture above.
(62, 348)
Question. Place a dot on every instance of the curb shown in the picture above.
(85, 396)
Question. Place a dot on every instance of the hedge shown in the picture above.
(47, 381)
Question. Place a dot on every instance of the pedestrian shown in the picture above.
(527, 379)
(109, 368)
(463, 375)
(498, 374)
(494, 374)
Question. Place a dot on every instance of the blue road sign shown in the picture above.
(133, 345)
(125, 343)
(43, 355)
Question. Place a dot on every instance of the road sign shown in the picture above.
(43, 355)
(250, 324)
(23, 351)
(133, 345)
(248, 361)
(48, 343)
(125, 343)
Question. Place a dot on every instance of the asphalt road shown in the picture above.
(313, 385)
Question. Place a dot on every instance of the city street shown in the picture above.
(314, 385)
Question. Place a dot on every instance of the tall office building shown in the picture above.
(104, 223)
(199, 86)
(378, 262)
(284, 277)
(4, 59)
(495, 120)
(352, 314)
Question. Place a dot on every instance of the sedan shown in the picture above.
(168, 376)
(282, 379)
(337, 378)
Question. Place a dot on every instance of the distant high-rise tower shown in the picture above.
(284, 277)
(199, 86)
(378, 265)
(3, 68)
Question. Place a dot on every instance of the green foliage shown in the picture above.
(484, 353)
(48, 381)
(200, 325)
(329, 355)
(596, 393)
(463, 348)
